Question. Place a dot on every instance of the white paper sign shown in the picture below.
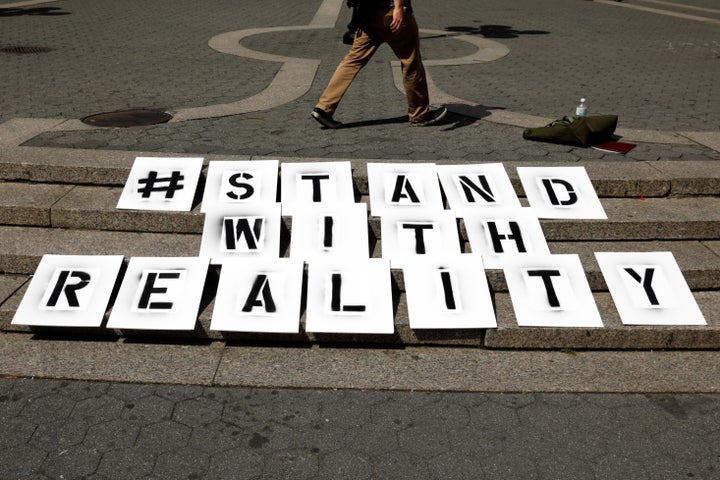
(241, 231)
(480, 186)
(240, 182)
(503, 234)
(397, 187)
(648, 288)
(332, 232)
(160, 293)
(69, 291)
(449, 293)
(551, 291)
(161, 184)
(350, 297)
(259, 296)
(307, 185)
(561, 192)
(409, 235)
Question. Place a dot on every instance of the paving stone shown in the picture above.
(59, 435)
(126, 463)
(197, 411)
(293, 463)
(72, 463)
(112, 435)
(20, 460)
(15, 430)
(150, 408)
(163, 436)
(226, 465)
(48, 408)
(184, 463)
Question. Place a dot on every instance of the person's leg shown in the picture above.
(360, 53)
(406, 46)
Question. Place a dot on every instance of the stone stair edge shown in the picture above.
(21, 249)
(508, 335)
(94, 208)
(611, 178)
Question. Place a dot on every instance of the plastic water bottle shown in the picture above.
(581, 110)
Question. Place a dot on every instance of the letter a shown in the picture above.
(402, 183)
(260, 286)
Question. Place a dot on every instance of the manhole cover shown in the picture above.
(127, 118)
(18, 49)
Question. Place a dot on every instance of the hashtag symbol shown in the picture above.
(169, 185)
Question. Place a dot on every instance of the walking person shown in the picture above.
(382, 21)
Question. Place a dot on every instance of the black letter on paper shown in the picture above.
(234, 232)
(402, 183)
(646, 283)
(335, 304)
(546, 276)
(235, 182)
(68, 289)
(149, 288)
(317, 196)
(572, 196)
(515, 234)
(261, 286)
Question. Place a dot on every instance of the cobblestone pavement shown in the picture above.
(59, 429)
(657, 72)
(657, 69)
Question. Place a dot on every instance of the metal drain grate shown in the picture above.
(128, 118)
(18, 49)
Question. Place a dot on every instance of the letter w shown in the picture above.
(237, 228)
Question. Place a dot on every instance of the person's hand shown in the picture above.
(397, 20)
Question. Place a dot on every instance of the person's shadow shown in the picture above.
(458, 116)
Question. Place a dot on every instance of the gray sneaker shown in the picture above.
(324, 118)
(432, 118)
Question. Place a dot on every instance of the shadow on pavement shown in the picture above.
(380, 121)
(495, 31)
(41, 11)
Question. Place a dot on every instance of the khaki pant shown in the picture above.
(406, 46)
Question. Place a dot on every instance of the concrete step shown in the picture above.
(613, 335)
(52, 203)
(94, 208)
(21, 249)
(610, 179)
